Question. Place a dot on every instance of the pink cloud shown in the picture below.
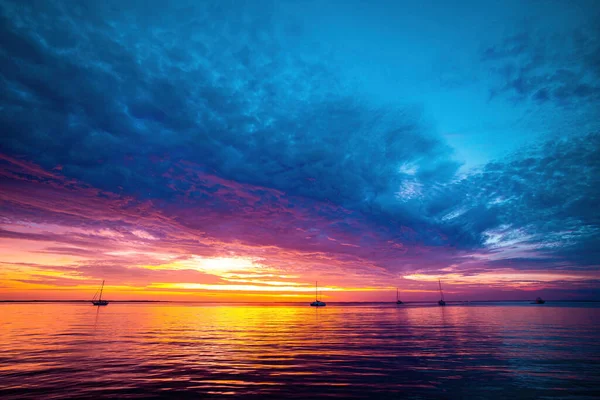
(121, 237)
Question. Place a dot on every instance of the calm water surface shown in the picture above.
(294, 351)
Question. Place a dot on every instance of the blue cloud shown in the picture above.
(543, 198)
(243, 106)
(546, 67)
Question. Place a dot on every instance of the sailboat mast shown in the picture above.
(397, 294)
(441, 293)
(101, 289)
(316, 293)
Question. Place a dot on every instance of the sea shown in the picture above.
(293, 351)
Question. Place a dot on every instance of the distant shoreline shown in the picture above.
(296, 302)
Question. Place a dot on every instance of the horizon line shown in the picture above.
(299, 302)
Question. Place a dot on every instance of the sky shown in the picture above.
(242, 150)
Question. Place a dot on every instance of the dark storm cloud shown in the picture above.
(107, 106)
(119, 101)
(562, 68)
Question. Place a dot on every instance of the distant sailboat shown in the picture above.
(442, 302)
(539, 300)
(99, 301)
(398, 301)
(317, 302)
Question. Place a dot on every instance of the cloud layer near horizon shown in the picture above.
(146, 147)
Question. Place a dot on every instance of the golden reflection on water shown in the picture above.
(296, 350)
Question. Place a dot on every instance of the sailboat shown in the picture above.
(317, 302)
(441, 302)
(398, 301)
(99, 301)
(539, 300)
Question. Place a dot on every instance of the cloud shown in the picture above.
(230, 216)
(271, 119)
(149, 138)
(558, 67)
(541, 201)
(243, 109)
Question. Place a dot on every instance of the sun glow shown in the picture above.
(220, 266)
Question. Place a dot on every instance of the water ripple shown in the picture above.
(251, 351)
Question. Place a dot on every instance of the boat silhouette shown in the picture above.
(317, 302)
(441, 302)
(99, 301)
